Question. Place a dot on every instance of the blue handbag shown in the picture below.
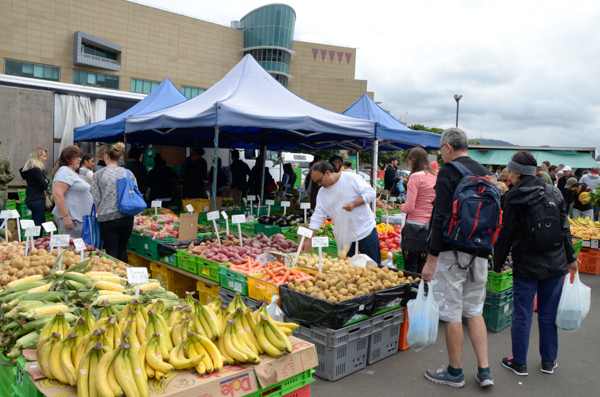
(91, 230)
(131, 202)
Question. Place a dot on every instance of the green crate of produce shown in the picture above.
(247, 228)
(11, 205)
(287, 386)
(23, 209)
(233, 281)
(499, 282)
(135, 243)
(188, 262)
(577, 243)
(150, 247)
(332, 249)
(498, 298)
(399, 260)
(171, 260)
(209, 269)
(22, 194)
(270, 230)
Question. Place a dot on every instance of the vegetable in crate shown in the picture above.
(279, 274)
(329, 263)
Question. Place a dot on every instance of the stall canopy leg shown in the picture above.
(357, 161)
(263, 151)
(374, 161)
(215, 166)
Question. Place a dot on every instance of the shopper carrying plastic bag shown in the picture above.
(424, 315)
(574, 304)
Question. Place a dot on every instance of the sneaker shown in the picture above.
(442, 377)
(484, 379)
(520, 370)
(548, 366)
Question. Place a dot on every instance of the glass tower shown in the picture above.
(268, 37)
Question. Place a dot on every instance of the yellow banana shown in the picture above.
(138, 373)
(45, 355)
(262, 339)
(103, 385)
(236, 353)
(121, 373)
(165, 330)
(279, 334)
(55, 366)
(83, 376)
(176, 361)
(99, 324)
(213, 352)
(155, 363)
(211, 319)
(223, 351)
(66, 360)
(93, 372)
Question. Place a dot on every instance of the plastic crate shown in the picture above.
(135, 243)
(497, 317)
(171, 260)
(399, 260)
(22, 194)
(498, 298)
(402, 343)
(383, 342)
(499, 282)
(270, 230)
(228, 296)
(259, 289)
(209, 269)
(188, 262)
(207, 291)
(289, 387)
(11, 205)
(8, 376)
(589, 265)
(233, 280)
(23, 209)
(577, 246)
(137, 260)
(149, 247)
(198, 204)
(247, 228)
(347, 351)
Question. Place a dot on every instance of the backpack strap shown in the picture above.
(460, 168)
(469, 266)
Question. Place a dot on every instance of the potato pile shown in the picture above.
(102, 264)
(330, 263)
(40, 262)
(349, 283)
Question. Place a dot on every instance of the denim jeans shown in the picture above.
(548, 295)
(368, 246)
(583, 214)
(38, 208)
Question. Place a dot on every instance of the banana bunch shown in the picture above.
(87, 374)
(58, 325)
(80, 329)
(135, 305)
(167, 313)
(181, 357)
(157, 323)
(44, 351)
(180, 311)
(180, 330)
(138, 322)
(285, 327)
(197, 344)
(119, 372)
(158, 305)
(61, 360)
(89, 341)
(89, 317)
(274, 341)
(206, 322)
(585, 197)
(109, 310)
(153, 355)
(236, 348)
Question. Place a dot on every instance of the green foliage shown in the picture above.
(421, 127)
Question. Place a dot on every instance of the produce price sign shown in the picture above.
(305, 206)
(59, 241)
(213, 216)
(156, 204)
(139, 276)
(189, 208)
(79, 246)
(239, 219)
(269, 204)
(303, 233)
(320, 242)
(10, 214)
(26, 223)
(226, 217)
(285, 205)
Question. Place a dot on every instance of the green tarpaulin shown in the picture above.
(555, 157)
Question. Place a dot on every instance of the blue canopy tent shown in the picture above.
(113, 129)
(390, 133)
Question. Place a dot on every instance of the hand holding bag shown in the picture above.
(574, 304)
(91, 230)
(424, 315)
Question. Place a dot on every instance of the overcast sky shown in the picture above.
(528, 70)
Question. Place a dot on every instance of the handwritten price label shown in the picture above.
(320, 242)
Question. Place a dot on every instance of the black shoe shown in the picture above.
(548, 366)
(520, 370)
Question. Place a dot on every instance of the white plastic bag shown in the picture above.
(574, 304)
(389, 262)
(274, 311)
(361, 260)
(424, 317)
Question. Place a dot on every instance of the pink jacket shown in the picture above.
(419, 197)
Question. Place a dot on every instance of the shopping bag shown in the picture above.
(574, 304)
(131, 202)
(424, 315)
(91, 230)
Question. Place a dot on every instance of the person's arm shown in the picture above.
(96, 192)
(7, 174)
(59, 189)
(367, 194)
(573, 262)
(505, 238)
(38, 175)
(411, 196)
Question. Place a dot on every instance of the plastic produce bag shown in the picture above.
(574, 304)
(389, 262)
(274, 310)
(424, 315)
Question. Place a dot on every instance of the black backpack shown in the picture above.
(544, 226)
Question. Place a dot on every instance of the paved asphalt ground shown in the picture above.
(402, 374)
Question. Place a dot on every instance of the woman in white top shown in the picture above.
(72, 197)
(86, 166)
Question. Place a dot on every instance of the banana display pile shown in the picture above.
(28, 304)
(115, 354)
(586, 228)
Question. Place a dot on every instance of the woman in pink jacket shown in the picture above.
(418, 208)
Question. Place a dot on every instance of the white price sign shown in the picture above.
(33, 231)
(156, 204)
(224, 214)
(15, 214)
(6, 214)
(270, 202)
(320, 242)
(213, 215)
(393, 199)
(79, 244)
(26, 223)
(189, 208)
(251, 197)
(304, 206)
(137, 275)
(238, 219)
(285, 204)
(302, 231)
(59, 240)
(49, 227)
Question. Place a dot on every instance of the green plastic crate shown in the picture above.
(577, 243)
(499, 282)
(233, 281)
(399, 260)
(247, 228)
(187, 261)
(149, 247)
(209, 269)
(171, 260)
(270, 230)
(23, 210)
(497, 317)
(135, 244)
(286, 386)
(22, 194)
(8, 376)
(498, 298)
(11, 205)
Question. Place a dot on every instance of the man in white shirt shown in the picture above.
(343, 193)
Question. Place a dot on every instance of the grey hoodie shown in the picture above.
(592, 180)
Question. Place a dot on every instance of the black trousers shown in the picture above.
(38, 209)
(414, 262)
(116, 235)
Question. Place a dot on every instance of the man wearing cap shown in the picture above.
(580, 207)
(565, 190)
(6, 176)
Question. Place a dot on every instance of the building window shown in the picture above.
(95, 79)
(191, 92)
(33, 70)
(99, 52)
(143, 86)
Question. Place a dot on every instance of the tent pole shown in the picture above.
(357, 161)
(263, 150)
(215, 165)
(375, 149)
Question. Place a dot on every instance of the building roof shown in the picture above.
(544, 148)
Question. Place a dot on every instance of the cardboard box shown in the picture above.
(234, 194)
(231, 381)
(188, 226)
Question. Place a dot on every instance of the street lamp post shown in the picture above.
(457, 98)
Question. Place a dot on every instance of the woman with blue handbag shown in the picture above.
(116, 224)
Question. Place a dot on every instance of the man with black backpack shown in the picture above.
(466, 220)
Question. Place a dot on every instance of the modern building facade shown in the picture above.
(126, 46)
